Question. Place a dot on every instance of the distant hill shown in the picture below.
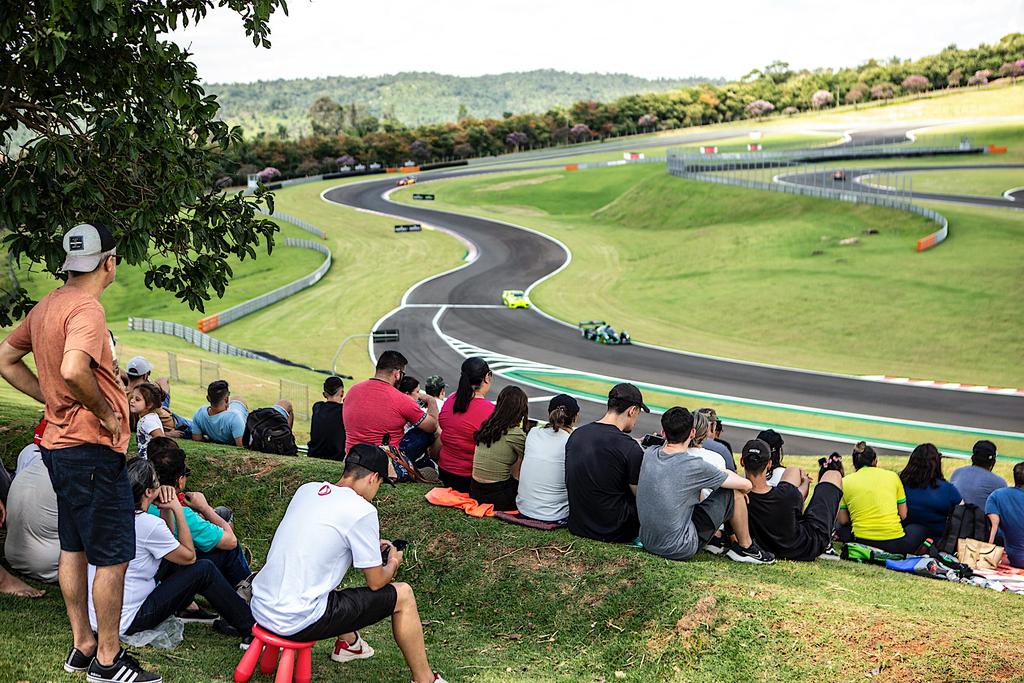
(416, 98)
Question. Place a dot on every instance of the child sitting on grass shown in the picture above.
(144, 402)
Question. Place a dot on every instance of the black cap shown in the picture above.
(756, 454)
(985, 449)
(627, 393)
(434, 385)
(772, 438)
(572, 407)
(370, 457)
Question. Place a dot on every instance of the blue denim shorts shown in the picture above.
(95, 506)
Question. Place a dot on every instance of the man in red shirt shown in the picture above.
(83, 446)
(375, 408)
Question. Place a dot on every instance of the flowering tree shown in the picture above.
(419, 150)
(516, 139)
(759, 108)
(915, 83)
(268, 174)
(647, 121)
(980, 77)
(579, 132)
(955, 78)
(790, 110)
(883, 91)
(857, 93)
(345, 160)
(1012, 70)
(821, 98)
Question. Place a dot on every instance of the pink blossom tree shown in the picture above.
(821, 99)
(268, 174)
(857, 93)
(516, 139)
(580, 131)
(790, 110)
(1012, 70)
(980, 77)
(345, 160)
(759, 108)
(916, 83)
(647, 121)
(883, 91)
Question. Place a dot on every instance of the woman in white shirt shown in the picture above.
(542, 494)
(147, 603)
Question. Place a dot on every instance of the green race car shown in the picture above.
(601, 332)
(515, 298)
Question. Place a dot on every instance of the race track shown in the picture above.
(464, 308)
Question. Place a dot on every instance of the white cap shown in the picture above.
(86, 245)
(138, 366)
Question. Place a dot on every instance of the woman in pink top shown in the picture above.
(460, 418)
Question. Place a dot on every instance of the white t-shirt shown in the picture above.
(776, 476)
(32, 545)
(542, 493)
(147, 424)
(153, 542)
(711, 458)
(29, 454)
(326, 530)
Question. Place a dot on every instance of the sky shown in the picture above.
(657, 39)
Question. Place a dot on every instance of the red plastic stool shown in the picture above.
(294, 656)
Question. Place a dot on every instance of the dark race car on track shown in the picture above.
(839, 175)
(601, 332)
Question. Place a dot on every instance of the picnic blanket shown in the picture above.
(514, 517)
(448, 497)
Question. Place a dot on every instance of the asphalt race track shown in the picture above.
(466, 305)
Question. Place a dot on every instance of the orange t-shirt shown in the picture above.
(69, 319)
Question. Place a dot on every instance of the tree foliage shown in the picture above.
(102, 119)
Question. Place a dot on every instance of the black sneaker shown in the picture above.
(125, 669)
(197, 616)
(751, 555)
(77, 663)
(829, 553)
(246, 642)
(222, 626)
(716, 546)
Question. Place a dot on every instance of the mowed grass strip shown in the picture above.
(981, 183)
(502, 603)
(763, 276)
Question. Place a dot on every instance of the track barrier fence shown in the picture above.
(298, 394)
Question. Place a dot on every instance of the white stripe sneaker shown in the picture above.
(343, 652)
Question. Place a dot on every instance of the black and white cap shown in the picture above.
(86, 245)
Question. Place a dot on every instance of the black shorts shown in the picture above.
(500, 494)
(455, 481)
(349, 610)
(95, 506)
(711, 513)
(819, 516)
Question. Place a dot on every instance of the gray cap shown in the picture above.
(86, 245)
(138, 366)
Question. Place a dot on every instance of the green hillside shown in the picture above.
(417, 98)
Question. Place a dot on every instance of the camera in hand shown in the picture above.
(652, 440)
(400, 545)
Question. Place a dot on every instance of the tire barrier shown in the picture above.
(708, 169)
(216, 320)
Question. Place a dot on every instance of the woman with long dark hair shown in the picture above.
(542, 494)
(930, 498)
(500, 443)
(460, 418)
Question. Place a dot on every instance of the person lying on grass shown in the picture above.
(778, 519)
(148, 603)
(674, 522)
(222, 420)
(327, 529)
(500, 443)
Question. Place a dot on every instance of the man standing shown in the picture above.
(602, 467)
(83, 446)
(327, 529)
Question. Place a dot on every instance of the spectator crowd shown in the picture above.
(133, 541)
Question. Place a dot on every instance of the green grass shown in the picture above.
(501, 603)
(983, 183)
(761, 276)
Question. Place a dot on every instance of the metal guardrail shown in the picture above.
(710, 168)
(191, 335)
(297, 222)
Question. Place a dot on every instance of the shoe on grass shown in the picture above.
(197, 615)
(437, 678)
(77, 662)
(750, 555)
(716, 546)
(343, 652)
(829, 553)
(125, 669)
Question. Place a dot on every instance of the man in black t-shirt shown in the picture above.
(327, 431)
(778, 521)
(602, 467)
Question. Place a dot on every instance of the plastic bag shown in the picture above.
(167, 635)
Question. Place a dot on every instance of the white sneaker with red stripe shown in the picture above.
(437, 678)
(344, 652)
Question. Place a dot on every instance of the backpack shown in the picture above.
(267, 431)
(965, 521)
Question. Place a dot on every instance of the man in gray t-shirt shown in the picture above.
(977, 481)
(674, 522)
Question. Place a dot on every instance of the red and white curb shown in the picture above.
(956, 386)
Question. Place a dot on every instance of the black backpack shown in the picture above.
(965, 521)
(267, 431)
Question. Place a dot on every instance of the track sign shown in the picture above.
(425, 197)
(753, 146)
(389, 336)
(709, 150)
(412, 227)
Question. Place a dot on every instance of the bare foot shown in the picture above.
(12, 585)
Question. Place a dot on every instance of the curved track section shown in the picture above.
(463, 306)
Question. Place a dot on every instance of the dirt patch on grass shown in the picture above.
(523, 182)
(698, 618)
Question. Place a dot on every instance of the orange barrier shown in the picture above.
(209, 323)
(992, 149)
(926, 242)
(572, 167)
(403, 169)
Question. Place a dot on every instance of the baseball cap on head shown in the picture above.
(370, 457)
(86, 245)
(138, 367)
(434, 385)
(756, 454)
(627, 393)
(571, 405)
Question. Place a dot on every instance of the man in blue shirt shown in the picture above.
(976, 481)
(222, 420)
(1005, 509)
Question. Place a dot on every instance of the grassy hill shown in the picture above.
(501, 603)
(417, 98)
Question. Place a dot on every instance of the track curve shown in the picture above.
(464, 305)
